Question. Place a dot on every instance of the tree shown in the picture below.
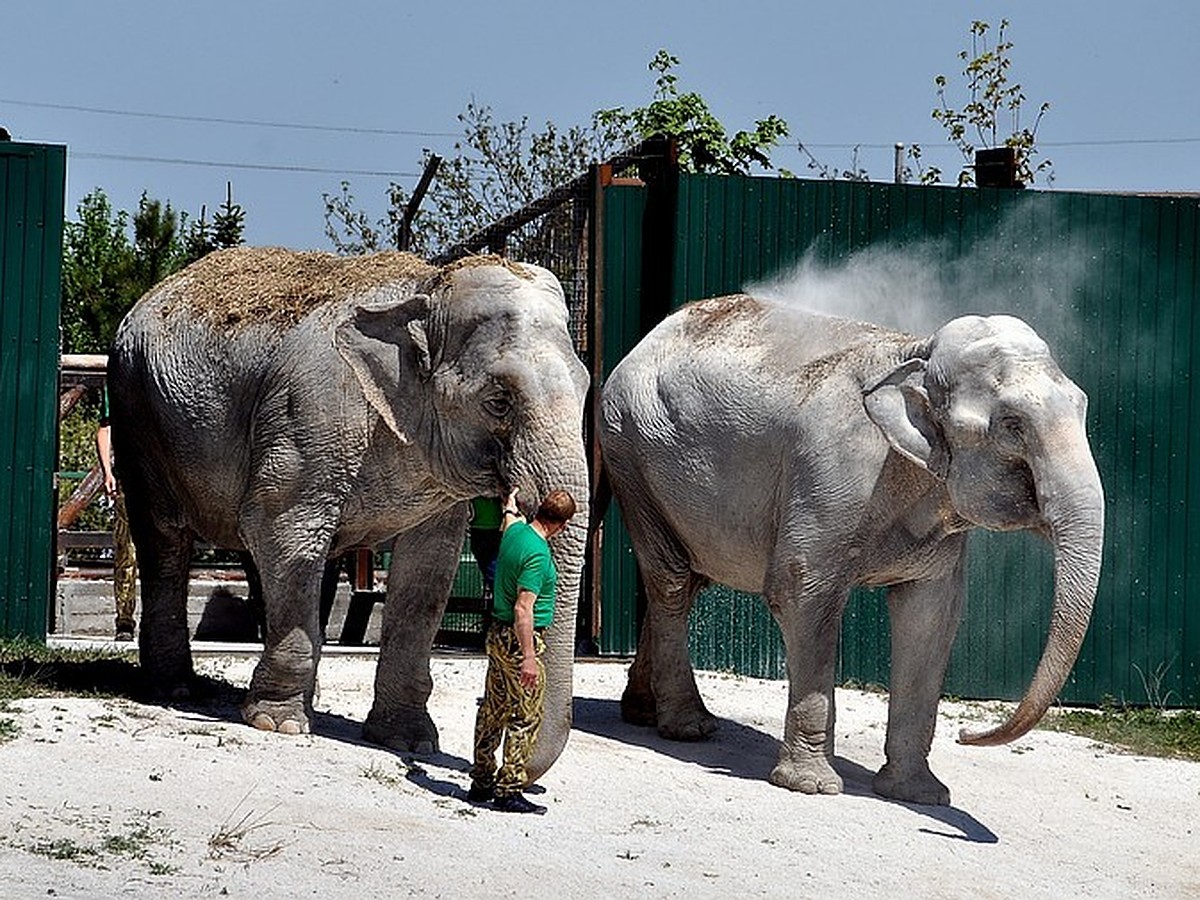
(494, 170)
(700, 136)
(104, 272)
(97, 264)
(992, 98)
(227, 229)
(832, 173)
(497, 168)
(157, 248)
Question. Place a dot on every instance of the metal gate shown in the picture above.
(32, 190)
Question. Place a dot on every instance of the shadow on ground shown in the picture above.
(36, 671)
(741, 751)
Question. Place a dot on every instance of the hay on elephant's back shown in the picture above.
(269, 285)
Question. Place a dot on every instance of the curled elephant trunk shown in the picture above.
(1072, 501)
(567, 549)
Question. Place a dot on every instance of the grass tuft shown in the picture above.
(230, 838)
(29, 669)
(1171, 734)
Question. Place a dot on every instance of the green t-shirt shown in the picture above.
(486, 513)
(524, 562)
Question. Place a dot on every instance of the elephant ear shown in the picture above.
(899, 405)
(383, 343)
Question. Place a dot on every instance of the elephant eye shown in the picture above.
(1012, 428)
(498, 406)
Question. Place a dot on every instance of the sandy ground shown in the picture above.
(108, 798)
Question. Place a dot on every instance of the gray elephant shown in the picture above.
(295, 405)
(798, 455)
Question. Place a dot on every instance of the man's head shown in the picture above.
(555, 511)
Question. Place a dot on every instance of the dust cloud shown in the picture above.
(917, 287)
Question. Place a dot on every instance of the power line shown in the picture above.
(214, 120)
(1119, 142)
(260, 167)
(398, 132)
(934, 144)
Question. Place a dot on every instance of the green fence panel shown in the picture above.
(622, 326)
(32, 188)
(1110, 282)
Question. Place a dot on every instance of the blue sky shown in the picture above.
(106, 80)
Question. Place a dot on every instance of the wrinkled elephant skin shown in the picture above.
(798, 456)
(296, 405)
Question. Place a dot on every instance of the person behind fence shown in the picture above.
(124, 556)
(523, 606)
(487, 521)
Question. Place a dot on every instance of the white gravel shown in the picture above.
(109, 798)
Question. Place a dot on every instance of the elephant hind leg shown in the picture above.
(662, 690)
(164, 647)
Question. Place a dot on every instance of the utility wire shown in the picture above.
(213, 120)
(262, 167)
(939, 142)
(1119, 142)
(397, 132)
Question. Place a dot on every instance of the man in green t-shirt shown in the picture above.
(523, 605)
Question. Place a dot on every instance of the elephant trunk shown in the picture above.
(1072, 501)
(568, 472)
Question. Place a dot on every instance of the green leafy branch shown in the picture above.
(703, 143)
(992, 99)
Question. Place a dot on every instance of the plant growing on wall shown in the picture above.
(994, 105)
(704, 145)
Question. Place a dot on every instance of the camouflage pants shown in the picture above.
(509, 713)
(124, 566)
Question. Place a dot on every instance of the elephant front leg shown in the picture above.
(924, 619)
(424, 562)
(637, 700)
(281, 689)
(810, 627)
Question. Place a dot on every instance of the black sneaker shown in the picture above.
(516, 803)
(480, 793)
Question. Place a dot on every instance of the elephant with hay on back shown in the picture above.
(294, 405)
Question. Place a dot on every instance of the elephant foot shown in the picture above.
(174, 685)
(637, 707)
(280, 716)
(693, 723)
(912, 784)
(404, 730)
(813, 776)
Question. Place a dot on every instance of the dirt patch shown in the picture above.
(707, 318)
(109, 797)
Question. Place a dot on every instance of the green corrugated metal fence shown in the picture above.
(621, 326)
(32, 186)
(1110, 281)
